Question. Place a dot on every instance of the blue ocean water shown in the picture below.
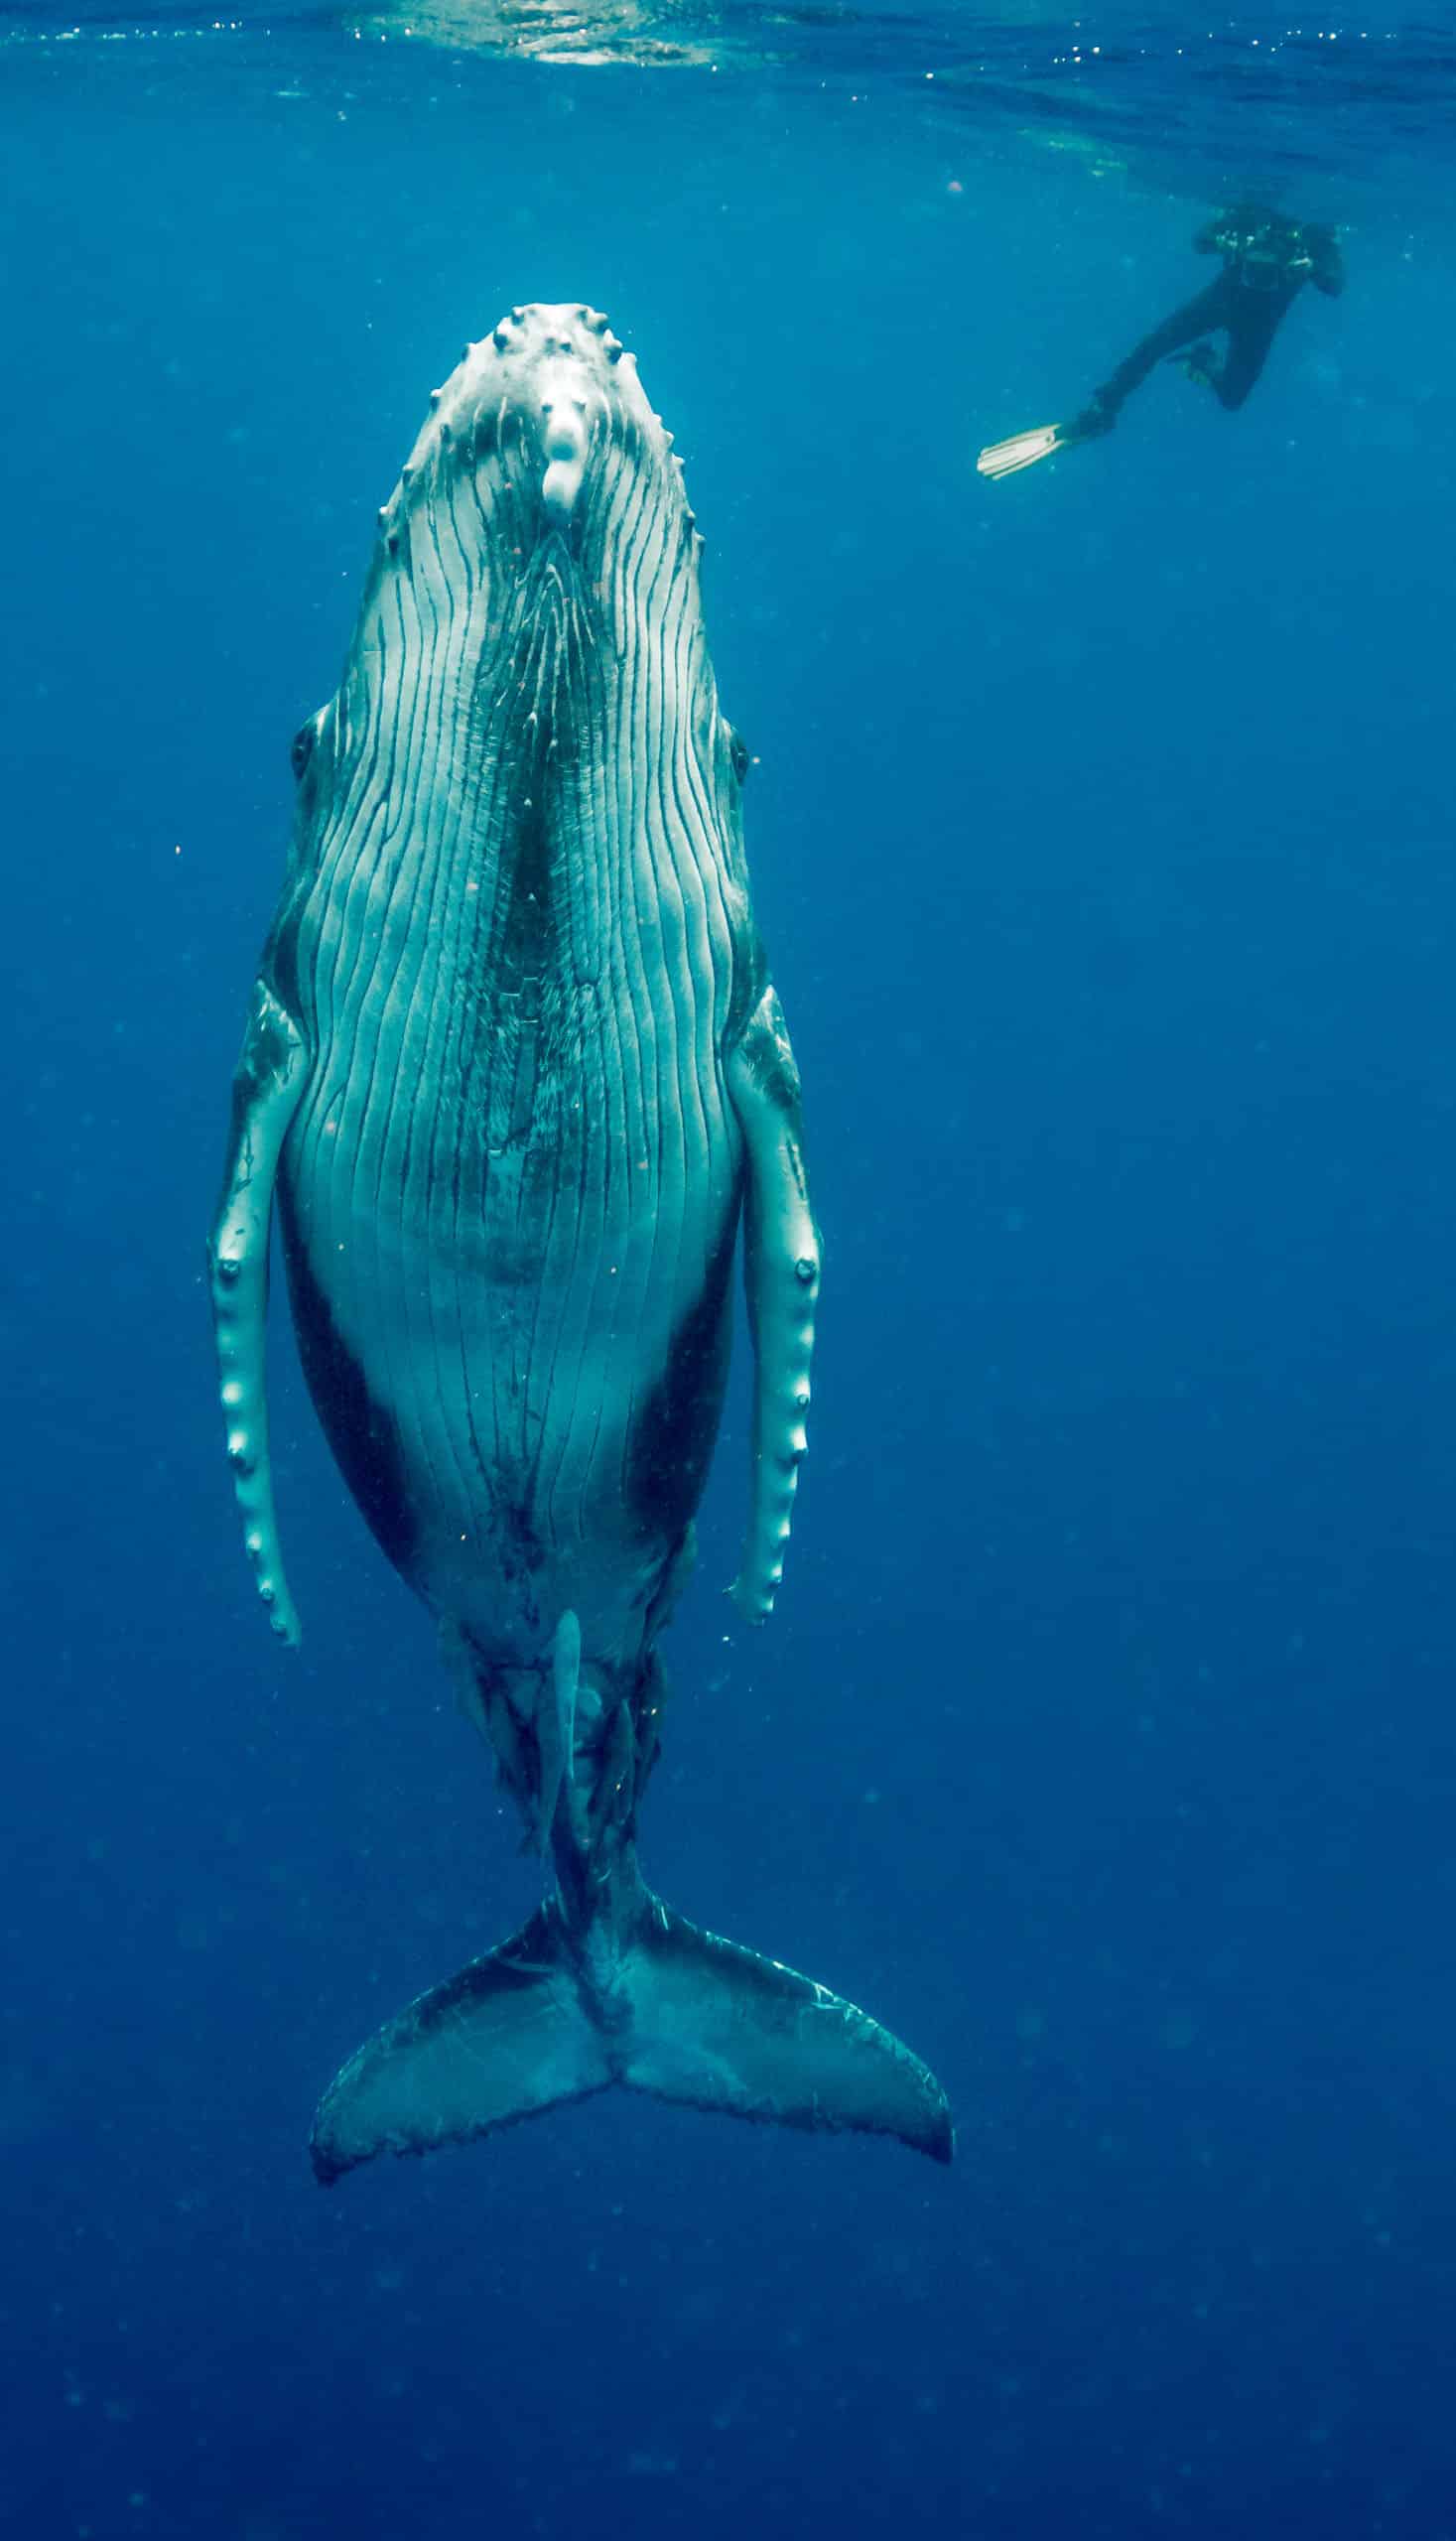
(1104, 1741)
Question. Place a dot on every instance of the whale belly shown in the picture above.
(509, 1222)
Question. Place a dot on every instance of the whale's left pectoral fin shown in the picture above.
(265, 1093)
(781, 1270)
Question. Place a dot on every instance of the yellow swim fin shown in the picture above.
(1005, 457)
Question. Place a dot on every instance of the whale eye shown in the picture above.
(301, 749)
(739, 753)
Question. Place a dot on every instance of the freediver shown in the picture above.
(1267, 260)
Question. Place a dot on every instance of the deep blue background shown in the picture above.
(1105, 1741)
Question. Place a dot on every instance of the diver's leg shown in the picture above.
(1208, 309)
(1250, 334)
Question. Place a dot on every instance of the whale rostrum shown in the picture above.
(514, 1077)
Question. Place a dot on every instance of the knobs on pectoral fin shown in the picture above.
(265, 1094)
(781, 1265)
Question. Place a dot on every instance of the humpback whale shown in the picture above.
(515, 1080)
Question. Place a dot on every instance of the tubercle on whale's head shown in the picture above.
(532, 412)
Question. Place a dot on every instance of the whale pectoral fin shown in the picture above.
(265, 1093)
(504, 2040)
(717, 2027)
(781, 1256)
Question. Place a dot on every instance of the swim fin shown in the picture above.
(1005, 458)
(663, 2008)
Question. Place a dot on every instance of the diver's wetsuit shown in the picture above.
(1267, 262)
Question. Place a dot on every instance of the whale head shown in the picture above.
(536, 413)
(529, 694)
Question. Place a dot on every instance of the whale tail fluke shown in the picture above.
(504, 2040)
(674, 2011)
(718, 2027)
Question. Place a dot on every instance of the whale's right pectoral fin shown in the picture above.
(265, 1093)
(781, 1268)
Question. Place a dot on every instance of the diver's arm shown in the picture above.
(1328, 274)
